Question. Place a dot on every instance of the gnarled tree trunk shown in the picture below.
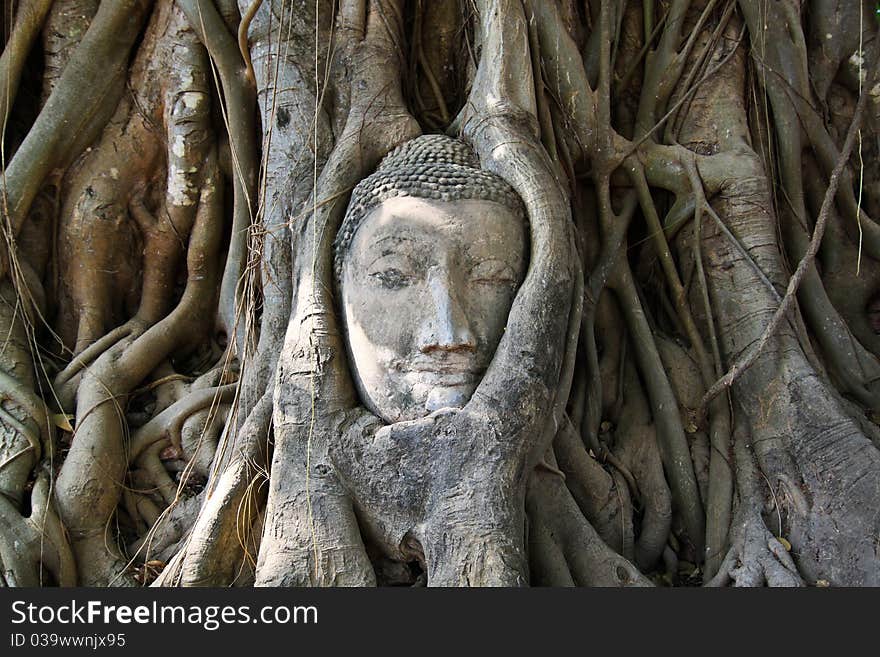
(687, 387)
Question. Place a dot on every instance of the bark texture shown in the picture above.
(688, 386)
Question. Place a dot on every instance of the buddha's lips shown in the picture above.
(449, 370)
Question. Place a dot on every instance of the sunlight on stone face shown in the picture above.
(427, 286)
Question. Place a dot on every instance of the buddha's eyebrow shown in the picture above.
(396, 238)
(478, 252)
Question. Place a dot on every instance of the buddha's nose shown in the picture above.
(447, 328)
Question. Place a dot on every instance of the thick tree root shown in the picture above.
(757, 559)
(90, 480)
(34, 550)
(565, 550)
(756, 556)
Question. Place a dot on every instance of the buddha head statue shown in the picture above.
(428, 260)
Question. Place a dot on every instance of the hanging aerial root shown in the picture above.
(29, 18)
(720, 486)
(664, 407)
(239, 93)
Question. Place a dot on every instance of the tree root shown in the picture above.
(664, 407)
(756, 557)
(28, 545)
(597, 493)
(161, 541)
(220, 534)
(171, 422)
(508, 490)
(90, 479)
(564, 547)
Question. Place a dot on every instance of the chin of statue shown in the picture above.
(429, 394)
(449, 396)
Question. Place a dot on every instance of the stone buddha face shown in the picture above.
(428, 261)
(426, 288)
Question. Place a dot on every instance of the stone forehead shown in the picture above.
(429, 167)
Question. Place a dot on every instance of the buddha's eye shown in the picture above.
(393, 271)
(493, 272)
(391, 278)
